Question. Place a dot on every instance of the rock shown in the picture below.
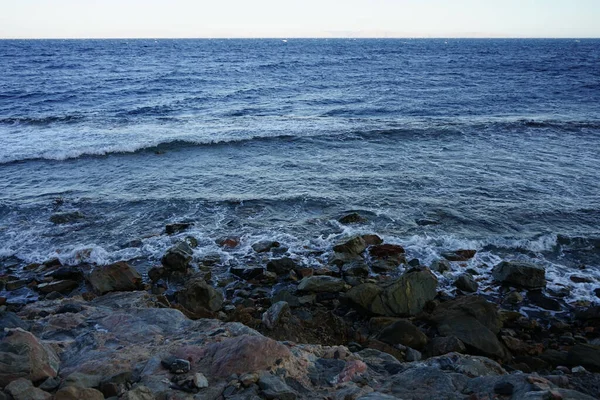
(176, 365)
(265, 245)
(520, 274)
(352, 218)
(513, 298)
(372, 240)
(58, 286)
(459, 255)
(23, 389)
(178, 257)
(414, 263)
(581, 279)
(83, 381)
(554, 357)
(386, 257)
(249, 379)
(586, 355)
(171, 229)
(407, 295)
(405, 333)
(76, 393)
(50, 384)
(466, 283)
(281, 266)
(440, 266)
(66, 217)
(229, 242)
(239, 355)
(538, 298)
(275, 313)
(23, 356)
(364, 295)
(274, 387)
(200, 381)
(356, 268)
(10, 320)
(322, 283)
(117, 277)
(286, 296)
(504, 388)
(474, 321)
(247, 273)
(139, 393)
(353, 246)
(413, 355)
(446, 344)
(67, 273)
(197, 296)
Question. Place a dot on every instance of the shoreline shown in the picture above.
(351, 328)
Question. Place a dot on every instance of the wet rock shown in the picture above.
(178, 257)
(407, 295)
(372, 240)
(353, 246)
(405, 333)
(474, 321)
(281, 266)
(66, 217)
(76, 393)
(356, 268)
(386, 257)
(459, 255)
(22, 355)
(117, 277)
(320, 284)
(586, 355)
(171, 229)
(273, 387)
(352, 218)
(466, 283)
(520, 274)
(581, 279)
(67, 273)
(414, 263)
(197, 296)
(513, 298)
(246, 272)
(58, 286)
(229, 242)
(265, 245)
(539, 299)
(23, 389)
(440, 266)
(446, 344)
(275, 314)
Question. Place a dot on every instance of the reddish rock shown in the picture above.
(386, 250)
(246, 354)
(351, 370)
(229, 242)
(115, 277)
(23, 356)
(459, 255)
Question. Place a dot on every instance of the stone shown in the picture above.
(171, 229)
(513, 298)
(504, 388)
(407, 295)
(520, 274)
(249, 379)
(197, 295)
(176, 365)
(22, 355)
(322, 283)
(76, 393)
(459, 255)
(178, 257)
(228, 242)
(364, 295)
(265, 245)
(386, 257)
(66, 217)
(82, 380)
(466, 283)
(474, 321)
(62, 286)
(356, 268)
(405, 333)
(200, 381)
(140, 392)
(286, 296)
(10, 320)
(352, 218)
(273, 316)
(539, 299)
(372, 240)
(412, 355)
(247, 273)
(445, 344)
(440, 266)
(354, 246)
(281, 266)
(23, 389)
(273, 387)
(50, 384)
(586, 355)
(117, 277)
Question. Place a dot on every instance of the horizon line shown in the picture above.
(308, 37)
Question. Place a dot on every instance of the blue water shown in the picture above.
(496, 143)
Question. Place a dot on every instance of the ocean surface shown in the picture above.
(441, 144)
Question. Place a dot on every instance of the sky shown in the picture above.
(298, 18)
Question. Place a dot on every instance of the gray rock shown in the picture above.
(356, 268)
(320, 284)
(176, 365)
(265, 245)
(413, 355)
(445, 344)
(466, 283)
(405, 333)
(353, 246)
(178, 257)
(440, 266)
(273, 316)
(117, 277)
(520, 274)
(586, 355)
(407, 295)
(66, 217)
(352, 218)
(200, 381)
(197, 295)
(281, 266)
(274, 387)
(23, 389)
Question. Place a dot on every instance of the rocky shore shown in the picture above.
(367, 324)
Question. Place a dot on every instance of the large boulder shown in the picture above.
(585, 355)
(363, 295)
(198, 296)
(23, 389)
(473, 320)
(117, 277)
(407, 295)
(405, 333)
(354, 246)
(22, 355)
(520, 274)
(281, 266)
(323, 283)
(178, 257)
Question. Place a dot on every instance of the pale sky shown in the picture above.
(298, 18)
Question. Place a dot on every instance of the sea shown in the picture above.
(441, 144)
